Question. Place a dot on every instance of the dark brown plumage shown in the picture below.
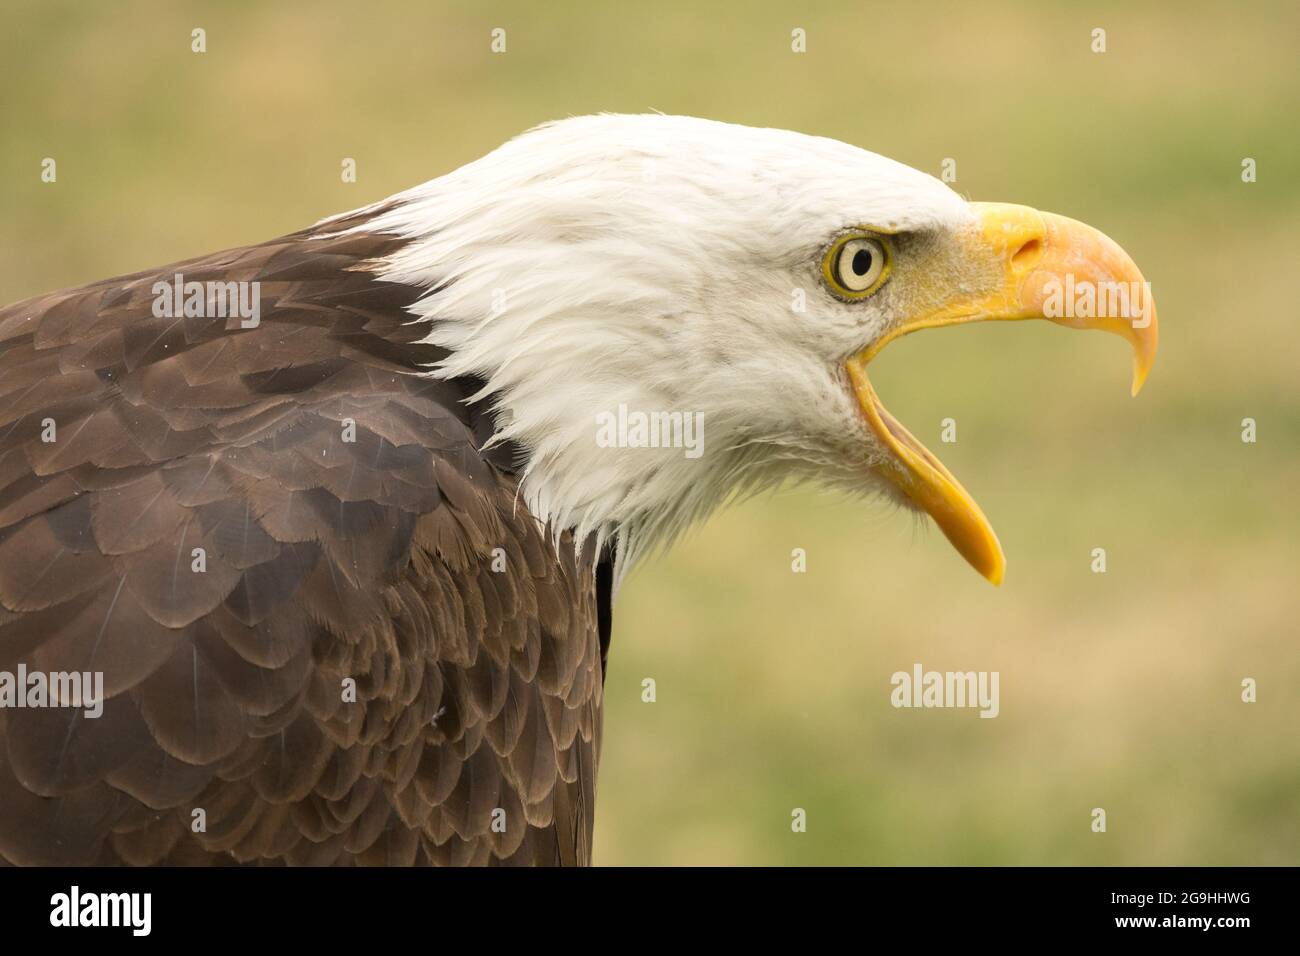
(476, 690)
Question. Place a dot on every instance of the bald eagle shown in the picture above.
(307, 548)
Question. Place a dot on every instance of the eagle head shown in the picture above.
(669, 312)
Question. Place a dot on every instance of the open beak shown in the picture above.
(1049, 267)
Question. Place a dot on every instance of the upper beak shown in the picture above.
(1045, 267)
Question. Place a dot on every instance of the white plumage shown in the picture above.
(667, 264)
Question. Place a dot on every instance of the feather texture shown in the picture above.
(326, 564)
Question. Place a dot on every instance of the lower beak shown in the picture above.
(1048, 267)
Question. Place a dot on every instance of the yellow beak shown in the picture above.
(1049, 267)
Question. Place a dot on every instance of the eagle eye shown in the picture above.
(856, 265)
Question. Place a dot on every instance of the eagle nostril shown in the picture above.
(1027, 252)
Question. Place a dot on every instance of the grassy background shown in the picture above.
(1118, 690)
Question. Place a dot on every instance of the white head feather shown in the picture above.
(658, 262)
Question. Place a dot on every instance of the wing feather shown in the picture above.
(279, 547)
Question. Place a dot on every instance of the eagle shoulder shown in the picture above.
(327, 631)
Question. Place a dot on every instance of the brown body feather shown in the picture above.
(478, 691)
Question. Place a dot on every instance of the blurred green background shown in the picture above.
(1119, 690)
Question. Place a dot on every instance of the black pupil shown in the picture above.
(862, 262)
